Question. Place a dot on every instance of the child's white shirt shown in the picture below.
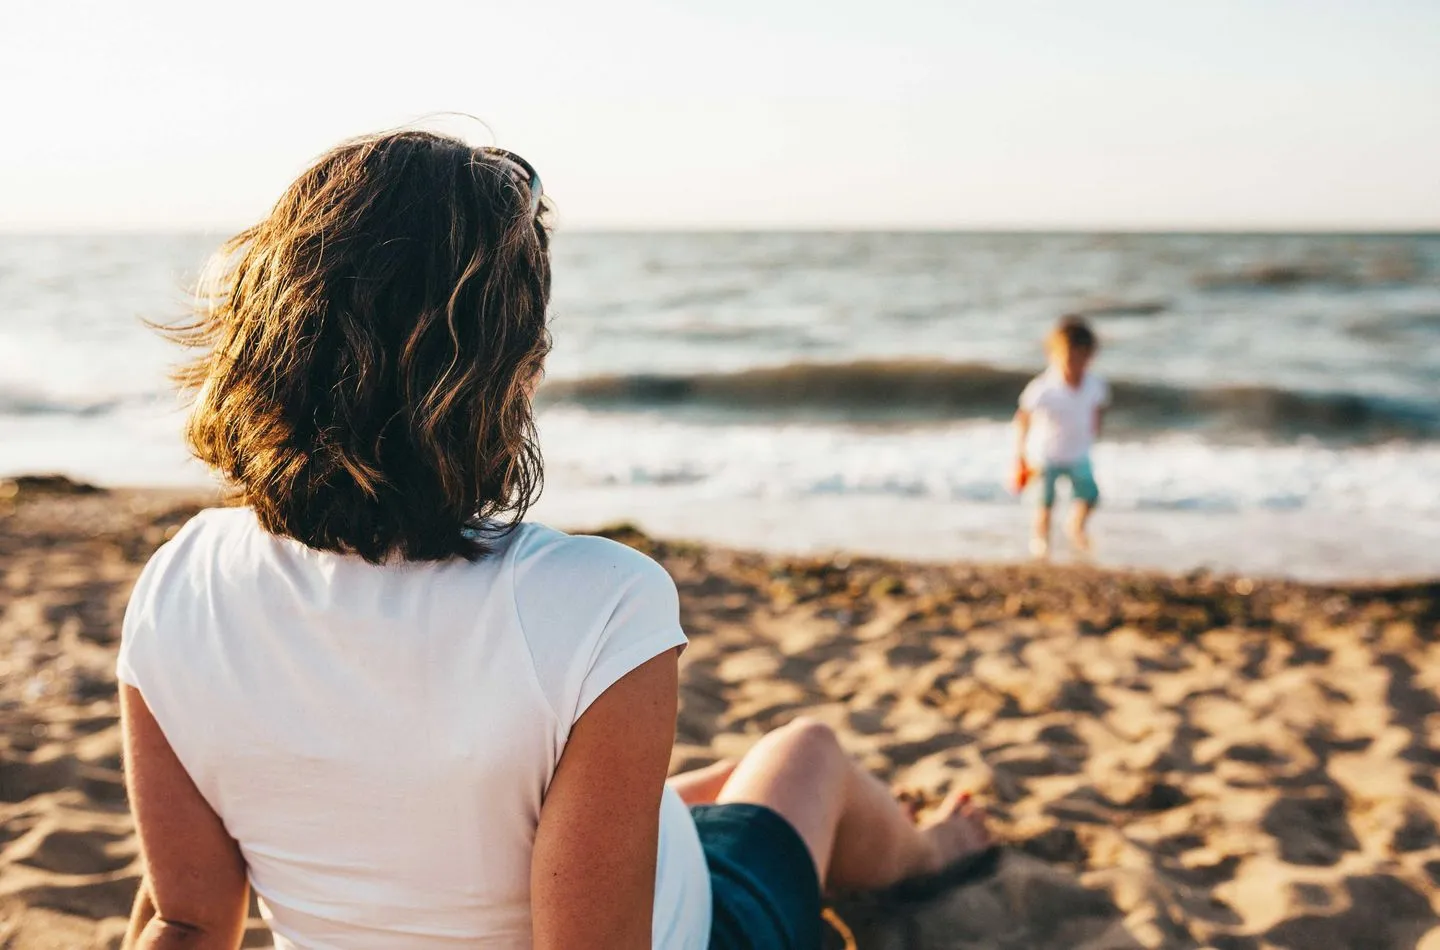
(1064, 417)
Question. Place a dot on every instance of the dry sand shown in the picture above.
(1172, 762)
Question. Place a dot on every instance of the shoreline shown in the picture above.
(1170, 760)
(912, 534)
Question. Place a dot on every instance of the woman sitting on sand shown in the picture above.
(407, 718)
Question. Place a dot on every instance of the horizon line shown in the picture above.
(1337, 230)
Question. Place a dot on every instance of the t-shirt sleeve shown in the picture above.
(132, 632)
(645, 623)
(136, 659)
(1030, 395)
(592, 611)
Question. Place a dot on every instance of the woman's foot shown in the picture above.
(911, 801)
(955, 830)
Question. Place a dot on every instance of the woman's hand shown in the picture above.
(592, 878)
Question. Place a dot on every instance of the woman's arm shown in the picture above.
(141, 914)
(592, 878)
(194, 895)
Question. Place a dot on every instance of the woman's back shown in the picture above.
(379, 738)
(402, 724)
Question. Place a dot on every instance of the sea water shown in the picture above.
(1277, 397)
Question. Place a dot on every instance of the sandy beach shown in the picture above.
(1175, 762)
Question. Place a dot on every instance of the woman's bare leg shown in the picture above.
(860, 837)
(701, 786)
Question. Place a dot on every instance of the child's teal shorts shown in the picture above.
(1077, 473)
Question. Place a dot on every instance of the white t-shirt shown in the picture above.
(379, 739)
(1064, 418)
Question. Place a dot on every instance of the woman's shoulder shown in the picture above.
(186, 550)
(211, 525)
(573, 582)
(174, 578)
(541, 552)
(590, 610)
(207, 527)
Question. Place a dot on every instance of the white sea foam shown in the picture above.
(969, 463)
(1176, 503)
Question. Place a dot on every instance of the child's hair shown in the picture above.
(368, 350)
(1073, 333)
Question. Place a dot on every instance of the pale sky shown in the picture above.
(1249, 114)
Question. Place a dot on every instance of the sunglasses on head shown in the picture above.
(522, 170)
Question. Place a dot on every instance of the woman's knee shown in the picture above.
(810, 739)
(804, 752)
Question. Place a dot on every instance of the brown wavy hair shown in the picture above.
(369, 349)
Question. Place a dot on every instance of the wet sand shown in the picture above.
(1173, 762)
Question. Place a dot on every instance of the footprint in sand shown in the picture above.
(1312, 831)
(84, 851)
(24, 779)
(21, 779)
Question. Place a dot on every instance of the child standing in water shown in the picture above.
(1066, 404)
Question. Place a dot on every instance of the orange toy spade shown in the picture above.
(1020, 476)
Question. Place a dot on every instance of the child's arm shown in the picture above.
(1102, 402)
(1022, 433)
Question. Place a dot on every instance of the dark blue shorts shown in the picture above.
(765, 887)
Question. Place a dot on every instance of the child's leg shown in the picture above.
(1040, 538)
(860, 837)
(1079, 518)
(1087, 496)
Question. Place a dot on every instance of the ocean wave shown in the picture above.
(1396, 328)
(1278, 275)
(921, 391)
(1108, 307)
(968, 464)
(20, 402)
(1382, 266)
